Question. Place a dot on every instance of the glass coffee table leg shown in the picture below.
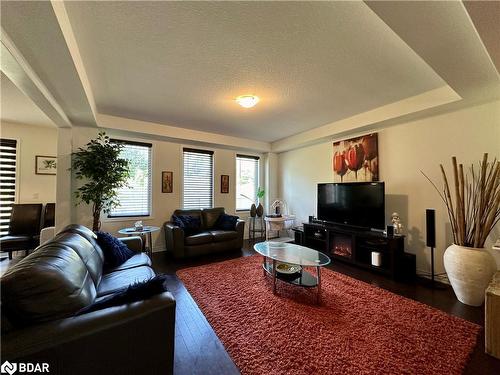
(264, 265)
(274, 276)
(318, 271)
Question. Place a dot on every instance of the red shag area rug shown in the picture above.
(357, 328)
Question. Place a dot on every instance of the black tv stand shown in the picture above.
(355, 246)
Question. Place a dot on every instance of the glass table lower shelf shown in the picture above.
(301, 278)
(275, 253)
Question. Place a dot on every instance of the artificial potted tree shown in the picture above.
(104, 171)
(473, 205)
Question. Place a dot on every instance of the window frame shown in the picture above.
(17, 168)
(245, 156)
(110, 217)
(200, 151)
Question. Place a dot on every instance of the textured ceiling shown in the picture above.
(37, 35)
(182, 63)
(15, 107)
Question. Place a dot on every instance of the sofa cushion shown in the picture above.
(90, 255)
(133, 293)
(210, 216)
(189, 224)
(86, 233)
(226, 222)
(49, 284)
(115, 252)
(115, 281)
(199, 238)
(194, 213)
(224, 235)
(137, 260)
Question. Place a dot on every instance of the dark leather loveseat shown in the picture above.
(209, 240)
(42, 292)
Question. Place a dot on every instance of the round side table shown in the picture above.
(259, 229)
(145, 233)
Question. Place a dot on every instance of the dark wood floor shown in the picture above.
(199, 351)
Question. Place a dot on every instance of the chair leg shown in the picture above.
(10, 255)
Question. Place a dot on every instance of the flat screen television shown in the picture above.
(357, 204)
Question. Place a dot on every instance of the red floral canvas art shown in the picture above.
(356, 159)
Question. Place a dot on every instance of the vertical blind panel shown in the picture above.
(8, 155)
(198, 179)
(247, 181)
(135, 199)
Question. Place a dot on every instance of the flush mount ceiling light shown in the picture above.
(247, 101)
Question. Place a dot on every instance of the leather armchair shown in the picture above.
(209, 240)
(24, 228)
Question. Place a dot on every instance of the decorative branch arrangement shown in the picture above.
(475, 208)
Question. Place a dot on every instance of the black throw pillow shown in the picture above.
(138, 291)
(115, 252)
(189, 224)
(226, 222)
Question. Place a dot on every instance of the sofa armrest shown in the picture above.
(174, 238)
(240, 228)
(104, 341)
(133, 243)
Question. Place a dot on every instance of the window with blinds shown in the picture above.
(198, 180)
(8, 154)
(135, 199)
(247, 181)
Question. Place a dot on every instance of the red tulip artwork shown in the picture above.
(352, 155)
(339, 164)
(355, 158)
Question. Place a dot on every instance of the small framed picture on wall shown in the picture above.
(167, 182)
(224, 184)
(45, 164)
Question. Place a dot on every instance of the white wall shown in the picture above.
(167, 156)
(404, 150)
(33, 140)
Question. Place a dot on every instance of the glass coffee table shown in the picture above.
(286, 262)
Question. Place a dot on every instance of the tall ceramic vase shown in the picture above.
(253, 210)
(260, 210)
(470, 271)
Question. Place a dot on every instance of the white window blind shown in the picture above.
(247, 181)
(198, 178)
(8, 151)
(135, 200)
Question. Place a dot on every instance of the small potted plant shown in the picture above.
(104, 172)
(473, 205)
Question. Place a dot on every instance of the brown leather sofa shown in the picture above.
(42, 292)
(209, 240)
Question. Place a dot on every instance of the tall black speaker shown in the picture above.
(430, 223)
(430, 228)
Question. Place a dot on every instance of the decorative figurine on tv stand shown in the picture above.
(396, 223)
